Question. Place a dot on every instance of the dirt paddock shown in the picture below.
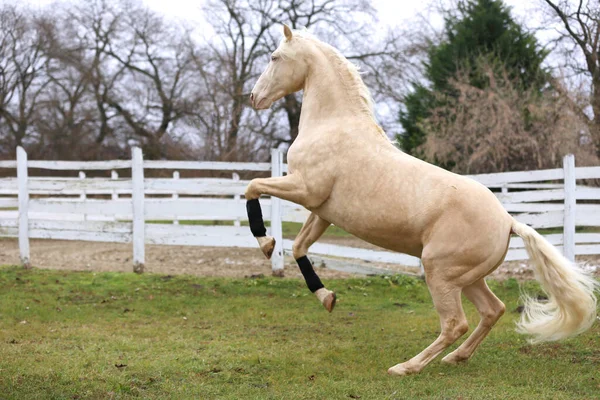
(200, 261)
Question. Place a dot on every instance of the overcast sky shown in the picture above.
(391, 12)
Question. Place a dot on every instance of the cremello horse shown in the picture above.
(345, 171)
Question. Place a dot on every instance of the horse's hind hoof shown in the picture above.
(327, 298)
(329, 302)
(267, 245)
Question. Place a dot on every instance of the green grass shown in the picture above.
(118, 335)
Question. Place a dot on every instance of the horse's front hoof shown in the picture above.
(267, 245)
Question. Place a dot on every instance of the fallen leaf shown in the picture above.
(120, 365)
(23, 322)
(312, 378)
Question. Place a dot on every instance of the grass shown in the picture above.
(117, 335)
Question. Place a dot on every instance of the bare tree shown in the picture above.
(22, 80)
(248, 31)
(502, 127)
(156, 64)
(580, 33)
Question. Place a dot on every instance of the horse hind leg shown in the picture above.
(446, 299)
(490, 309)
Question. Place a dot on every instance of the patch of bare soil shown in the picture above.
(200, 261)
(207, 261)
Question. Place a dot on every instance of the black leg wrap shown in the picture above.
(257, 225)
(312, 280)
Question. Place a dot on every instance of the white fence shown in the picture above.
(117, 209)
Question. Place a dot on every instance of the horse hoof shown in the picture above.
(401, 370)
(329, 302)
(453, 359)
(267, 245)
(327, 298)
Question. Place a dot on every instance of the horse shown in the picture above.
(346, 172)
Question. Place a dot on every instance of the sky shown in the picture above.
(391, 12)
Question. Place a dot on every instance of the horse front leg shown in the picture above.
(311, 231)
(290, 187)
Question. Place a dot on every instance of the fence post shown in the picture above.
(175, 196)
(23, 197)
(114, 175)
(236, 178)
(276, 214)
(137, 200)
(570, 207)
(83, 195)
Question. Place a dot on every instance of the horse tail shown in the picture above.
(571, 305)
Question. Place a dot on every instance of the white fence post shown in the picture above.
(83, 195)
(570, 205)
(235, 177)
(137, 200)
(276, 216)
(175, 196)
(114, 175)
(23, 197)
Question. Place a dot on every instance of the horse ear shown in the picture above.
(287, 32)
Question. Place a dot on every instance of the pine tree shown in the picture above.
(476, 28)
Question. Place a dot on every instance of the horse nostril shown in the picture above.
(251, 96)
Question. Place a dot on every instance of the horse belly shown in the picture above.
(380, 226)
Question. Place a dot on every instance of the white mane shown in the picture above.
(348, 71)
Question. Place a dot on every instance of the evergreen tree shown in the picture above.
(477, 28)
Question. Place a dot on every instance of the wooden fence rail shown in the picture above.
(191, 211)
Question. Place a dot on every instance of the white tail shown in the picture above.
(571, 305)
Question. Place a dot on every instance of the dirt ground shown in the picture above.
(202, 261)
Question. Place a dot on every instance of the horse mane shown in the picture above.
(348, 71)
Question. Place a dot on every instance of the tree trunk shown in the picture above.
(234, 126)
(152, 149)
(292, 108)
(595, 125)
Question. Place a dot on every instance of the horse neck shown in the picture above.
(325, 95)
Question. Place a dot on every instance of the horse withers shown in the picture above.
(343, 168)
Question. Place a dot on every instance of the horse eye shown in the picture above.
(274, 58)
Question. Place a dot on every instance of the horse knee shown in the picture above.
(252, 192)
